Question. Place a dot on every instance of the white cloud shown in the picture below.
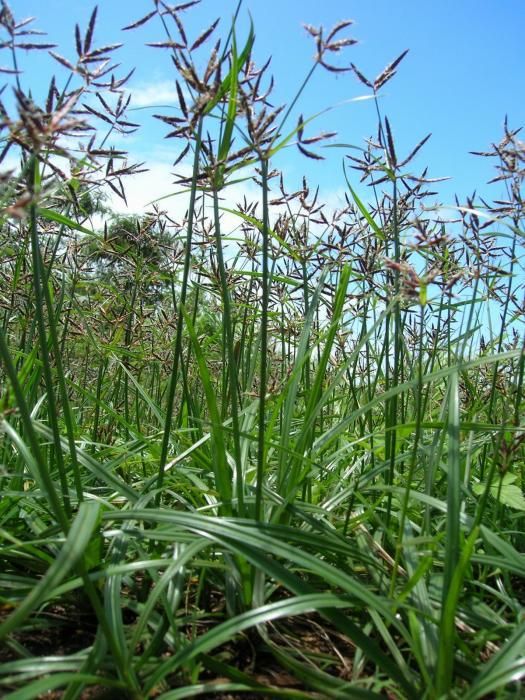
(150, 94)
(159, 182)
(10, 162)
(144, 188)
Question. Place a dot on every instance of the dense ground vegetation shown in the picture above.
(277, 458)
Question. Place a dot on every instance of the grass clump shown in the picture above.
(277, 458)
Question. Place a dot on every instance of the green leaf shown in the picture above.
(364, 211)
(77, 541)
(251, 541)
(94, 552)
(43, 685)
(506, 666)
(225, 631)
(239, 62)
(221, 468)
(509, 494)
(52, 215)
(512, 496)
(447, 646)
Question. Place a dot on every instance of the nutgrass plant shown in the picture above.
(278, 459)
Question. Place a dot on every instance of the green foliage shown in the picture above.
(301, 435)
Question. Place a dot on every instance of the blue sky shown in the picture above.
(465, 71)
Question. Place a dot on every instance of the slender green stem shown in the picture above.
(232, 368)
(180, 320)
(263, 372)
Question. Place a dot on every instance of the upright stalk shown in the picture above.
(263, 377)
(180, 318)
